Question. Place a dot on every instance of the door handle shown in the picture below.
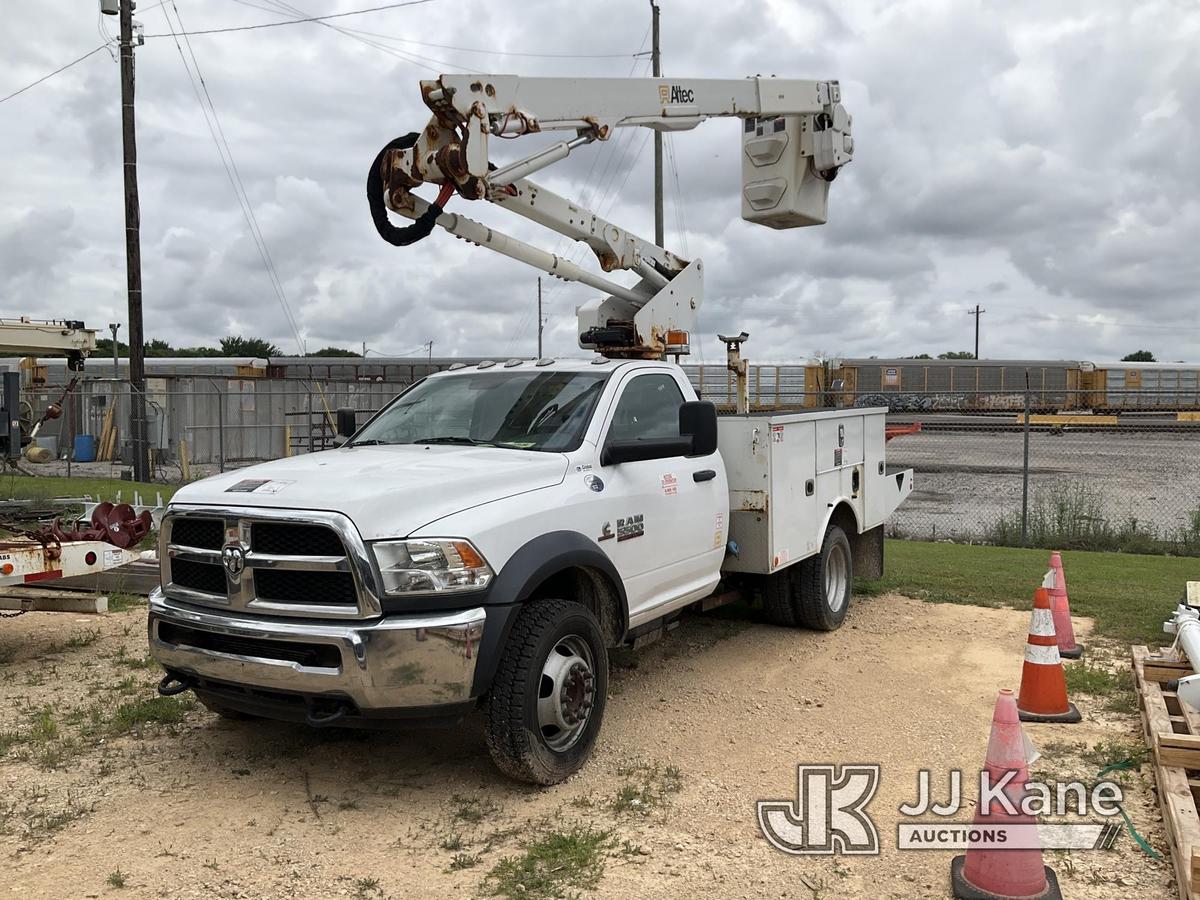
(704, 475)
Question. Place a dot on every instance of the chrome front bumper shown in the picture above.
(394, 662)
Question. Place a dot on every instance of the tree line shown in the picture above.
(228, 346)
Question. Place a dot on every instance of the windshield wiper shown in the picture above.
(369, 442)
(453, 439)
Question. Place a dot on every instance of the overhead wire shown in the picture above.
(423, 62)
(217, 132)
(260, 25)
(57, 71)
(577, 250)
(482, 51)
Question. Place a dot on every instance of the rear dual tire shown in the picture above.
(814, 593)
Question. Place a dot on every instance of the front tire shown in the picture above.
(546, 703)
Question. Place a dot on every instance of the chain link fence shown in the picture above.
(1036, 468)
(1100, 480)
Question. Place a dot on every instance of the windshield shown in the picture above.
(546, 411)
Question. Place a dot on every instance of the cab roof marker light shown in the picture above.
(544, 361)
(486, 364)
(511, 363)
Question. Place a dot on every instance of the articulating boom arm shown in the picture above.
(796, 136)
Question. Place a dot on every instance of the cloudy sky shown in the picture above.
(1037, 158)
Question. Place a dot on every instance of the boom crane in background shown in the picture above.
(31, 337)
(795, 139)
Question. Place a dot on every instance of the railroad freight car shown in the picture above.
(919, 385)
(1130, 386)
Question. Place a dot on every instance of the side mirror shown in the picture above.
(644, 448)
(347, 424)
(698, 420)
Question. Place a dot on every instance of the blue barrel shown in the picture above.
(85, 448)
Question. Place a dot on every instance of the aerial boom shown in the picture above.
(796, 136)
(33, 337)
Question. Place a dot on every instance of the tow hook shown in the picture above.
(174, 684)
(318, 719)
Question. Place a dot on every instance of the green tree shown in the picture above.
(159, 348)
(1139, 356)
(918, 356)
(335, 351)
(240, 346)
(956, 354)
(104, 348)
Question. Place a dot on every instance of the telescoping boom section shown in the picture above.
(795, 137)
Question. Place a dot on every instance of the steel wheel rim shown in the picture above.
(566, 693)
(837, 577)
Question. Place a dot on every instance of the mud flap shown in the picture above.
(867, 552)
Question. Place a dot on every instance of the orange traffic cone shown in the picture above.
(1061, 606)
(1043, 696)
(989, 872)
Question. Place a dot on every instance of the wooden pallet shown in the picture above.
(1172, 731)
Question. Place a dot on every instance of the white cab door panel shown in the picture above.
(661, 521)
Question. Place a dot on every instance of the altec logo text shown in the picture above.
(676, 93)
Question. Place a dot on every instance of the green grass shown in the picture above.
(118, 602)
(552, 864)
(49, 487)
(1128, 595)
(1076, 517)
(462, 861)
(647, 785)
(133, 714)
(1085, 678)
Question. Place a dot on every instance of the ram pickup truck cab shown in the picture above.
(486, 538)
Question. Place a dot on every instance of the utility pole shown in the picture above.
(656, 62)
(976, 312)
(539, 356)
(133, 253)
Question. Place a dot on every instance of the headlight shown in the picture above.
(427, 566)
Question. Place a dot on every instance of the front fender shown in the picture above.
(535, 561)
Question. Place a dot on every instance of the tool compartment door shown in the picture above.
(794, 515)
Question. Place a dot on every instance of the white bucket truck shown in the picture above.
(485, 539)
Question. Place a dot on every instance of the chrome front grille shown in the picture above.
(296, 564)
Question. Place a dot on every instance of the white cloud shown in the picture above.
(1037, 158)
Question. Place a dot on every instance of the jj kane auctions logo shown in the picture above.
(829, 813)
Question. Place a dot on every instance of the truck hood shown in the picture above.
(387, 491)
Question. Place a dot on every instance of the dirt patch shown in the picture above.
(107, 791)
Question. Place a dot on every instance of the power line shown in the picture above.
(356, 12)
(217, 133)
(495, 52)
(73, 62)
(421, 62)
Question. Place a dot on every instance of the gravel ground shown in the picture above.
(967, 480)
(698, 727)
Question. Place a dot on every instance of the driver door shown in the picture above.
(664, 518)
